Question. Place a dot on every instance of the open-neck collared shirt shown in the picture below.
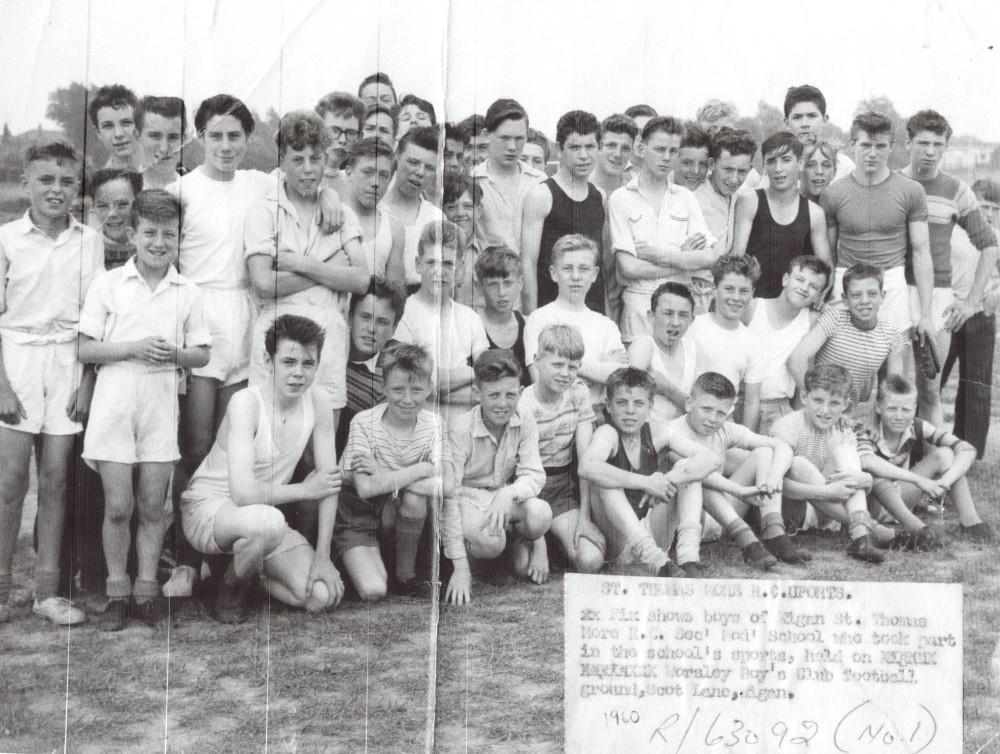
(502, 216)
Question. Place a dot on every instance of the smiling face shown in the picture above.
(629, 408)
(692, 167)
(303, 169)
(405, 394)
(113, 208)
(863, 298)
(369, 178)
(52, 186)
(732, 294)
(117, 132)
(671, 319)
(574, 273)
(556, 373)
(823, 408)
(926, 150)
(802, 287)
(225, 144)
(372, 323)
(616, 148)
(463, 212)
(478, 149)
(161, 139)
(532, 154)
(498, 400)
(782, 168)
(156, 245)
(818, 172)
(506, 143)
(579, 154)
(706, 412)
(293, 368)
(729, 172)
(805, 121)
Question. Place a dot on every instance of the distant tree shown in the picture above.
(767, 120)
(5, 139)
(883, 105)
(261, 154)
(68, 107)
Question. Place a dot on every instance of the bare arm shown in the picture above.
(594, 466)
(336, 277)
(923, 274)
(808, 347)
(640, 355)
(818, 234)
(746, 209)
(269, 283)
(395, 267)
(537, 206)
(325, 455)
(751, 405)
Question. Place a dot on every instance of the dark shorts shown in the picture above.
(359, 521)
(561, 490)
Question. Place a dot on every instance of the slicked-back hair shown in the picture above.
(496, 364)
(502, 110)
(561, 340)
(579, 122)
(107, 175)
(673, 288)
(438, 233)
(377, 78)
(539, 139)
(619, 123)
(665, 123)
(833, 378)
(744, 265)
(301, 330)
(300, 129)
(168, 107)
(696, 137)
(408, 358)
(573, 242)
(812, 263)
(370, 146)
(640, 111)
(871, 123)
(420, 103)
(114, 96)
(425, 137)
(383, 291)
(715, 384)
(895, 384)
(223, 104)
(455, 132)
(862, 271)
(498, 262)
(780, 142)
(629, 377)
(804, 93)
(58, 151)
(456, 185)
(156, 206)
(343, 104)
(928, 120)
(736, 141)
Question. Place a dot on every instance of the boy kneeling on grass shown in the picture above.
(142, 322)
(392, 464)
(497, 475)
(640, 507)
(230, 504)
(911, 460)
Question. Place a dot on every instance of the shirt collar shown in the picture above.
(129, 270)
(479, 428)
(904, 444)
(26, 226)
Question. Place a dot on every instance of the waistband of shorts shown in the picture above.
(556, 470)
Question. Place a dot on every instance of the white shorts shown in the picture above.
(941, 299)
(331, 373)
(133, 416)
(230, 315)
(44, 378)
(198, 523)
(635, 315)
(895, 308)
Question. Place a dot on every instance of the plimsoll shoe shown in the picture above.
(59, 610)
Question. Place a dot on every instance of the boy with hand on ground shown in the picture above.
(560, 403)
(141, 322)
(497, 475)
(639, 507)
(392, 467)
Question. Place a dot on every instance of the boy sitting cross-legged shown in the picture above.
(141, 322)
(497, 475)
(911, 458)
(560, 403)
(392, 467)
(639, 507)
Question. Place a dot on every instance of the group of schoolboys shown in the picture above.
(581, 354)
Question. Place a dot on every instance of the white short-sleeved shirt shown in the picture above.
(451, 339)
(735, 354)
(411, 236)
(776, 345)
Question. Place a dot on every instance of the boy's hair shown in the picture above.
(421, 104)
(895, 384)
(370, 146)
(696, 137)
(872, 124)
(629, 377)
(456, 185)
(168, 107)
(537, 138)
(406, 357)
(301, 330)
(156, 206)
(383, 291)
(496, 364)
(833, 378)
(300, 129)
(341, 103)
(812, 263)
(504, 109)
(579, 122)
(988, 189)
(640, 111)
(57, 151)
(664, 123)
(862, 271)
(778, 143)
(223, 104)
(561, 340)
(673, 288)
(804, 93)
(572, 242)
(826, 148)
(114, 96)
(438, 233)
(713, 111)
(619, 124)
(736, 141)
(928, 120)
(715, 384)
(425, 137)
(377, 78)
(498, 262)
(744, 265)
(455, 132)
(376, 109)
(473, 125)
(106, 175)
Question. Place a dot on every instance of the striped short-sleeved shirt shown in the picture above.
(813, 444)
(862, 352)
(873, 442)
(557, 424)
(369, 436)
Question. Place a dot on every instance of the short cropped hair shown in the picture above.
(714, 384)
(106, 175)
(629, 377)
(640, 111)
(406, 357)
(301, 330)
(438, 233)
(341, 103)
(383, 291)
(664, 123)
(223, 104)
(862, 271)
(504, 109)
(495, 364)
(300, 129)
(781, 142)
(157, 206)
(425, 137)
(370, 146)
(377, 78)
(833, 378)
(871, 123)
(579, 122)
(114, 96)
(804, 93)
(572, 242)
(473, 125)
(696, 137)
(537, 138)
(619, 124)
(826, 148)
(455, 132)
(168, 107)
(895, 384)
(812, 263)
(744, 265)
(456, 185)
(673, 288)
(58, 151)
(736, 141)
(928, 120)
(988, 189)
(498, 262)
(561, 340)
(421, 104)
(376, 109)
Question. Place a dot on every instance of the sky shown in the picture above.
(552, 56)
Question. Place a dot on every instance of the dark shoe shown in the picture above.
(230, 601)
(151, 612)
(784, 550)
(981, 533)
(671, 570)
(694, 569)
(862, 549)
(755, 555)
(115, 615)
(415, 588)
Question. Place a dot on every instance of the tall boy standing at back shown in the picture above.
(112, 113)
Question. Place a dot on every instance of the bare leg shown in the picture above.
(15, 458)
(54, 462)
(585, 558)
(367, 571)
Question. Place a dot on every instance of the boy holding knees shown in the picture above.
(141, 322)
(496, 471)
(826, 471)
(113, 191)
(639, 508)
(231, 503)
(500, 277)
(47, 261)
(393, 468)
(744, 480)
(560, 404)
(912, 460)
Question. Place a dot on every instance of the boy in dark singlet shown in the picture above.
(498, 271)
(776, 224)
(638, 507)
